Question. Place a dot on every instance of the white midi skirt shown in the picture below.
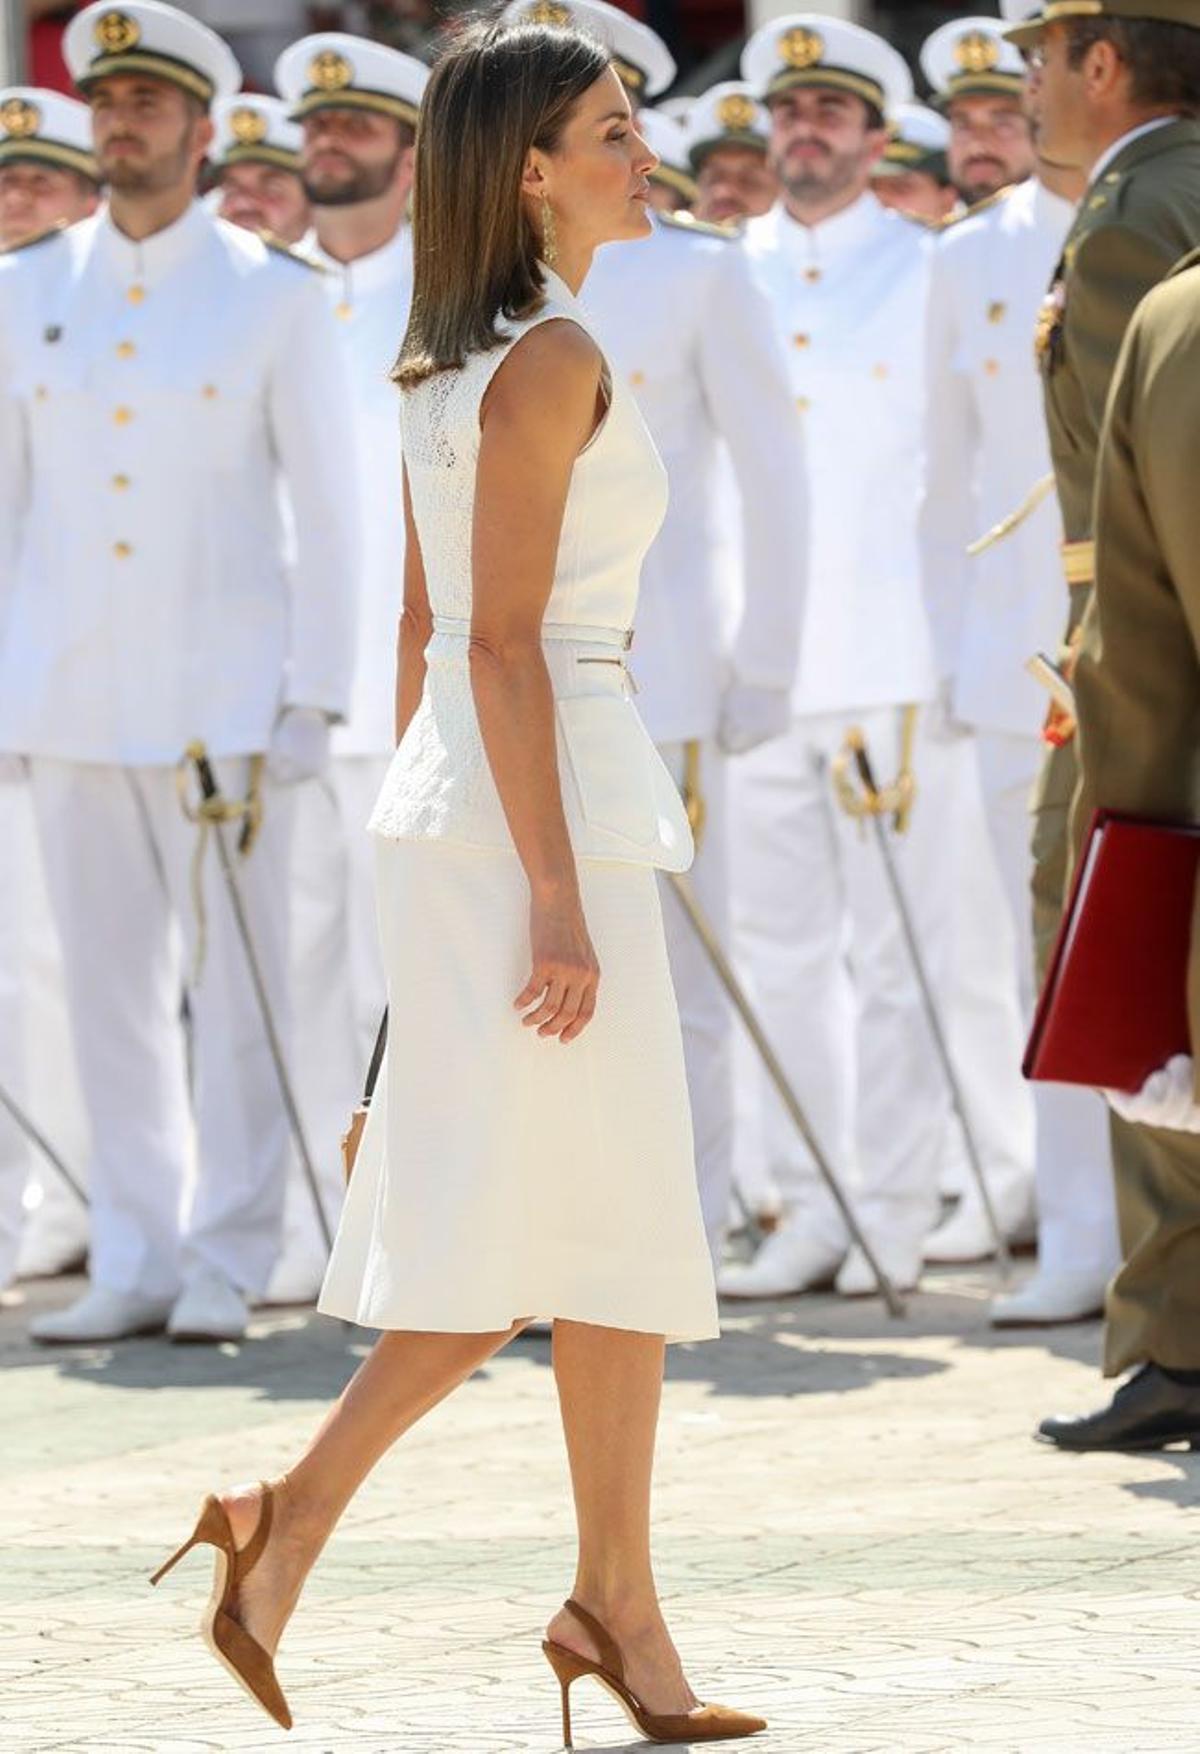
(502, 1174)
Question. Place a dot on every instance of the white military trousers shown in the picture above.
(1077, 1226)
(37, 1067)
(169, 1195)
(819, 941)
(973, 955)
(704, 1011)
(338, 986)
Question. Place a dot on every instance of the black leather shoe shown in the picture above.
(1147, 1412)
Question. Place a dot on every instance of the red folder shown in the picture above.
(1114, 1005)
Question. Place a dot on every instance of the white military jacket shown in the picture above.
(849, 300)
(154, 398)
(371, 298)
(684, 324)
(986, 449)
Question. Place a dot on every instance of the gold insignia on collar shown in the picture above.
(115, 32)
(801, 47)
(19, 118)
(736, 112)
(248, 126)
(547, 12)
(330, 71)
(976, 52)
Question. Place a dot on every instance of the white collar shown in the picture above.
(831, 239)
(365, 274)
(1050, 209)
(1110, 152)
(146, 262)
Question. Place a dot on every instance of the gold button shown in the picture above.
(122, 416)
(812, 275)
(1113, 177)
(136, 294)
(120, 483)
(122, 550)
(1098, 201)
(800, 340)
(991, 367)
(636, 378)
(125, 350)
(40, 394)
(879, 371)
(803, 404)
(209, 392)
(996, 310)
(344, 310)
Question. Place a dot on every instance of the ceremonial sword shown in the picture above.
(873, 806)
(213, 813)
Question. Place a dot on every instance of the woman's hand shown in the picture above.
(562, 986)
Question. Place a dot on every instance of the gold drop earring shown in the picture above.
(549, 234)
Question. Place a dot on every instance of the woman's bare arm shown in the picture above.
(416, 624)
(538, 414)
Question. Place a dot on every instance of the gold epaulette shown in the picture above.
(282, 248)
(991, 200)
(36, 237)
(708, 228)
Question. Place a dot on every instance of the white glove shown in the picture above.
(751, 715)
(1166, 1099)
(299, 745)
(13, 768)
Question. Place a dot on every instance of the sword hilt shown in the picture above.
(197, 754)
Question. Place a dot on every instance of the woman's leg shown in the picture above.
(609, 1388)
(403, 1377)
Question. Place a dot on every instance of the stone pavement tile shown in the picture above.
(854, 1534)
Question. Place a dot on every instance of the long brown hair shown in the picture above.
(497, 92)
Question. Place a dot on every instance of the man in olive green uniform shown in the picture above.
(1138, 700)
(1115, 91)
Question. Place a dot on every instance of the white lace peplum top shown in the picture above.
(620, 801)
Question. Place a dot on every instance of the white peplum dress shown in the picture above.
(500, 1174)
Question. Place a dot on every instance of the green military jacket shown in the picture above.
(1138, 678)
(1131, 228)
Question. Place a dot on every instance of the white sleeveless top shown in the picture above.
(619, 799)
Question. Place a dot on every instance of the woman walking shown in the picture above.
(528, 1152)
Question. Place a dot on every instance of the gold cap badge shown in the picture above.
(19, 118)
(736, 112)
(330, 71)
(548, 12)
(248, 126)
(801, 47)
(115, 32)
(976, 52)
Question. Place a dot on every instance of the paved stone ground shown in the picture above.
(855, 1534)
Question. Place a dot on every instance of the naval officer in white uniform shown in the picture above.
(987, 452)
(815, 924)
(728, 137)
(356, 104)
(175, 372)
(683, 321)
(256, 165)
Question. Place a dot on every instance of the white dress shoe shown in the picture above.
(966, 1234)
(47, 1251)
(102, 1314)
(210, 1308)
(1050, 1298)
(788, 1262)
(857, 1279)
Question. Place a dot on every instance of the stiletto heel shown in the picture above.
(707, 1723)
(226, 1637)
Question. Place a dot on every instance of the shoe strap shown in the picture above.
(610, 1655)
(249, 1555)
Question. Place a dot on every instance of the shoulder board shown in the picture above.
(707, 228)
(1191, 260)
(280, 248)
(988, 201)
(37, 237)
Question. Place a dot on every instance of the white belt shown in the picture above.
(573, 633)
